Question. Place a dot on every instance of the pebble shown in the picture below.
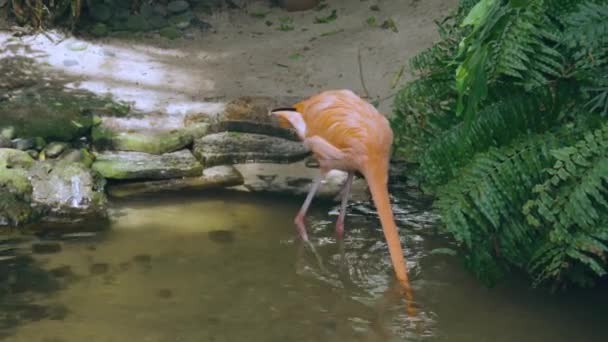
(178, 6)
(99, 268)
(24, 144)
(46, 247)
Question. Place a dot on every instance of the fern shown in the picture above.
(481, 207)
(573, 202)
(510, 42)
(495, 120)
(497, 125)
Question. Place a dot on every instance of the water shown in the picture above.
(227, 267)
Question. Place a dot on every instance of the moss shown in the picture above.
(55, 114)
(153, 143)
(171, 32)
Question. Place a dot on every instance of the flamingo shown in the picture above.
(344, 132)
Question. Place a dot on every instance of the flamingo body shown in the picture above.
(346, 133)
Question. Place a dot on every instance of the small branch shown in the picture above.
(361, 73)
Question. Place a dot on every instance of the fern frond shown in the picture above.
(572, 206)
(495, 126)
(481, 207)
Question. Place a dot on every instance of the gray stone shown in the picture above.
(15, 187)
(82, 156)
(70, 63)
(64, 189)
(178, 6)
(99, 30)
(154, 134)
(296, 179)
(24, 144)
(51, 113)
(183, 20)
(100, 12)
(160, 10)
(5, 142)
(138, 165)
(8, 132)
(54, 149)
(146, 9)
(33, 153)
(250, 114)
(157, 22)
(212, 178)
(170, 33)
(233, 148)
(137, 23)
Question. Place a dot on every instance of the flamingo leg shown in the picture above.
(299, 220)
(342, 214)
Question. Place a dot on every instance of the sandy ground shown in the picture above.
(244, 56)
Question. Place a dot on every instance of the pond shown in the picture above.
(228, 267)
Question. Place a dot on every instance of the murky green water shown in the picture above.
(228, 268)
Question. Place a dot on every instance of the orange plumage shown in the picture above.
(346, 133)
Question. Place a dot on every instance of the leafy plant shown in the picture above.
(507, 121)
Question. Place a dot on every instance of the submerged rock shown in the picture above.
(212, 178)
(234, 148)
(138, 165)
(296, 179)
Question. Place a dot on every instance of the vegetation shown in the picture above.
(508, 121)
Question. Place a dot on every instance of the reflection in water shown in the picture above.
(230, 267)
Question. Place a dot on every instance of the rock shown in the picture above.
(138, 165)
(250, 114)
(33, 153)
(233, 148)
(82, 156)
(99, 268)
(64, 271)
(170, 33)
(212, 178)
(15, 187)
(64, 189)
(148, 142)
(146, 9)
(298, 5)
(5, 142)
(178, 6)
(296, 179)
(100, 12)
(24, 144)
(39, 143)
(221, 236)
(99, 30)
(51, 114)
(137, 23)
(121, 13)
(157, 22)
(201, 24)
(182, 21)
(160, 10)
(54, 149)
(70, 63)
(46, 247)
(8, 132)
(150, 133)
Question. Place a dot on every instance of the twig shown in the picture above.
(361, 73)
